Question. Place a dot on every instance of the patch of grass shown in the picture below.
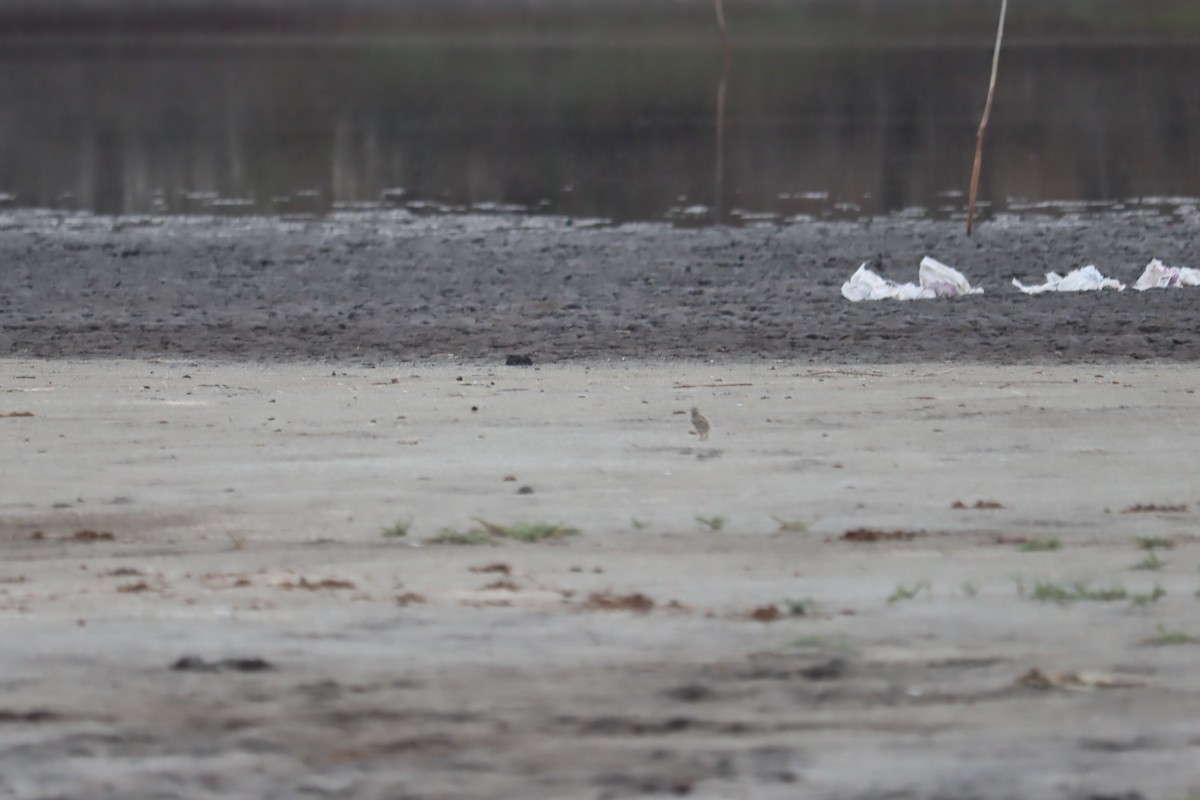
(804, 607)
(397, 529)
(712, 523)
(903, 592)
(639, 524)
(1059, 593)
(1040, 545)
(969, 589)
(1109, 595)
(538, 531)
(527, 531)
(1164, 637)
(793, 525)
(452, 536)
(1050, 592)
(1150, 562)
(816, 642)
(1149, 597)
(1153, 542)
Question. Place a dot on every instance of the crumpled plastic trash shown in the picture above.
(1159, 276)
(936, 280)
(1086, 279)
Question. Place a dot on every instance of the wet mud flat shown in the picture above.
(381, 287)
(921, 581)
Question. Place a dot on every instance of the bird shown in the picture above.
(700, 423)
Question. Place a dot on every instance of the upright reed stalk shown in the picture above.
(726, 63)
(987, 112)
(726, 53)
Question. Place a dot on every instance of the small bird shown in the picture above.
(700, 423)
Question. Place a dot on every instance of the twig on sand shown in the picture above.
(987, 111)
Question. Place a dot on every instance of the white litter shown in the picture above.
(936, 280)
(1158, 276)
(1087, 279)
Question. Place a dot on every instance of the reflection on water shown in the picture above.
(599, 130)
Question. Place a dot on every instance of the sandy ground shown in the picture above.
(248, 631)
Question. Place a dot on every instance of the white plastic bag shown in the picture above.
(1159, 276)
(936, 280)
(1087, 279)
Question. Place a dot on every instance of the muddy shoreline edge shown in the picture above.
(387, 287)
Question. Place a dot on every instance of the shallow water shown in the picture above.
(594, 129)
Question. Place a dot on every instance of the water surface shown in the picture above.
(593, 128)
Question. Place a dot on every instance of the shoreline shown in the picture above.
(396, 287)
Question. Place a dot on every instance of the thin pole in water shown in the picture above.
(726, 63)
(987, 111)
(726, 52)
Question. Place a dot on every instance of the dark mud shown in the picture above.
(387, 287)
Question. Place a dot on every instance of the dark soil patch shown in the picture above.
(382, 288)
(1154, 508)
(608, 601)
(88, 535)
(499, 568)
(197, 664)
(980, 505)
(316, 586)
(872, 535)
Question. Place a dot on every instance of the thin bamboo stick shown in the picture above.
(726, 52)
(722, 84)
(987, 112)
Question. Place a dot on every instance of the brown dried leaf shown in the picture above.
(608, 601)
(872, 535)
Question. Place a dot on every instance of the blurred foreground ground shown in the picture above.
(197, 600)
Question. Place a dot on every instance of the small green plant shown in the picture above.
(1080, 590)
(1050, 592)
(712, 523)
(1153, 542)
(1109, 595)
(237, 539)
(538, 531)
(793, 525)
(1164, 637)
(639, 524)
(1150, 562)
(1040, 545)
(527, 531)
(452, 536)
(397, 529)
(1149, 597)
(970, 589)
(903, 592)
(816, 642)
(804, 607)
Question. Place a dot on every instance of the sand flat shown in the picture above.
(650, 653)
